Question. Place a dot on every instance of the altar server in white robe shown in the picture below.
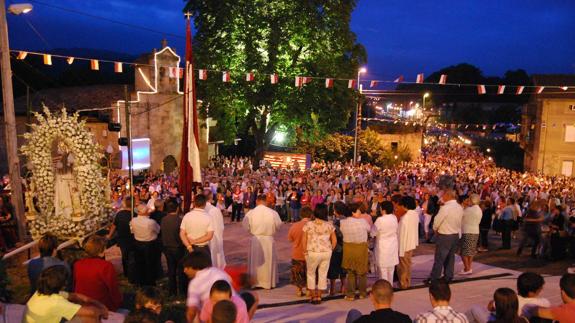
(217, 242)
(386, 246)
(262, 222)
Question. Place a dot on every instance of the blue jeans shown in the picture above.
(295, 215)
(445, 248)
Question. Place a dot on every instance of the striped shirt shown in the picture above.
(441, 314)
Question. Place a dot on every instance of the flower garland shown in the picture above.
(85, 153)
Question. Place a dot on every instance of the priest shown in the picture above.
(262, 223)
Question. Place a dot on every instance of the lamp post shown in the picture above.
(357, 117)
(10, 116)
(424, 129)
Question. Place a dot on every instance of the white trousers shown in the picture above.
(386, 273)
(319, 261)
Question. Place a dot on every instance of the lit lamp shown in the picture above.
(425, 96)
(362, 70)
(20, 8)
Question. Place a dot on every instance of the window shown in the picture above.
(567, 168)
(569, 133)
(394, 146)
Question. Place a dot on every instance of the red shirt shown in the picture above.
(96, 278)
(564, 313)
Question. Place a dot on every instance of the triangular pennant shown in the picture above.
(225, 76)
(22, 55)
(373, 84)
(481, 89)
(500, 89)
(419, 78)
(118, 67)
(443, 79)
(70, 60)
(94, 64)
(520, 90)
(399, 79)
(540, 89)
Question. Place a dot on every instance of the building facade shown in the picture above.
(548, 127)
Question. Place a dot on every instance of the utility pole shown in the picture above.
(357, 115)
(10, 126)
(128, 113)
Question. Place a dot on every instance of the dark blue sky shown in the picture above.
(401, 36)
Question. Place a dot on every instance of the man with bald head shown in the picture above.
(381, 297)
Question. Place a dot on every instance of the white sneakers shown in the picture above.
(463, 272)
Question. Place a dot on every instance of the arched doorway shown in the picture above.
(170, 164)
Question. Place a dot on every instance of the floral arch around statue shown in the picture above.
(67, 194)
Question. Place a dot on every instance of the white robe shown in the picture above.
(408, 232)
(262, 222)
(217, 242)
(386, 246)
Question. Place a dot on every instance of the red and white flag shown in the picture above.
(540, 89)
(298, 81)
(70, 60)
(306, 79)
(481, 89)
(274, 78)
(225, 76)
(173, 72)
(249, 77)
(419, 78)
(520, 90)
(22, 55)
(47, 59)
(373, 84)
(94, 64)
(351, 84)
(399, 79)
(328, 83)
(443, 79)
(500, 89)
(190, 170)
(203, 75)
(118, 68)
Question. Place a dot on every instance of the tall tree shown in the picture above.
(287, 37)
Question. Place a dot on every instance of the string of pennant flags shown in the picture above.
(299, 81)
(473, 126)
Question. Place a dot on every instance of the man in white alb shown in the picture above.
(447, 224)
(262, 222)
(217, 242)
(197, 228)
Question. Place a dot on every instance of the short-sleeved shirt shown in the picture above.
(564, 313)
(196, 224)
(49, 308)
(318, 236)
(242, 315)
(199, 287)
(354, 230)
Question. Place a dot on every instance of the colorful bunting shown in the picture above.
(203, 75)
(70, 60)
(118, 67)
(94, 64)
(481, 89)
(328, 83)
(500, 89)
(351, 84)
(520, 90)
(443, 79)
(399, 79)
(249, 77)
(419, 78)
(22, 55)
(47, 59)
(274, 79)
(225, 76)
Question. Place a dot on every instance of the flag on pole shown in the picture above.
(190, 155)
(500, 89)
(351, 84)
(520, 90)
(203, 75)
(274, 78)
(540, 89)
(481, 89)
(94, 64)
(70, 60)
(118, 68)
(328, 83)
(419, 78)
(443, 79)
(22, 55)
(249, 77)
(373, 84)
(47, 59)
(399, 79)
(225, 76)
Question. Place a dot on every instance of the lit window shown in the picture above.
(569, 133)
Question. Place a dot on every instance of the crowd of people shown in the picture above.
(344, 222)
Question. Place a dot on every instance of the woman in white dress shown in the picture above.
(386, 246)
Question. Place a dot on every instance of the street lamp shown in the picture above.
(20, 8)
(10, 117)
(357, 116)
(425, 96)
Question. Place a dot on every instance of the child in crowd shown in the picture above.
(221, 290)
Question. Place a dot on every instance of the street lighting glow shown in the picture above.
(363, 70)
(280, 137)
(488, 150)
(426, 95)
(20, 8)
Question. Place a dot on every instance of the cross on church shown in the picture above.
(188, 15)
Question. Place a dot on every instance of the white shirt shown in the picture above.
(408, 232)
(196, 224)
(262, 221)
(448, 220)
(527, 305)
(199, 287)
(144, 228)
(471, 218)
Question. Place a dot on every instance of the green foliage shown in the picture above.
(338, 147)
(287, 37)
